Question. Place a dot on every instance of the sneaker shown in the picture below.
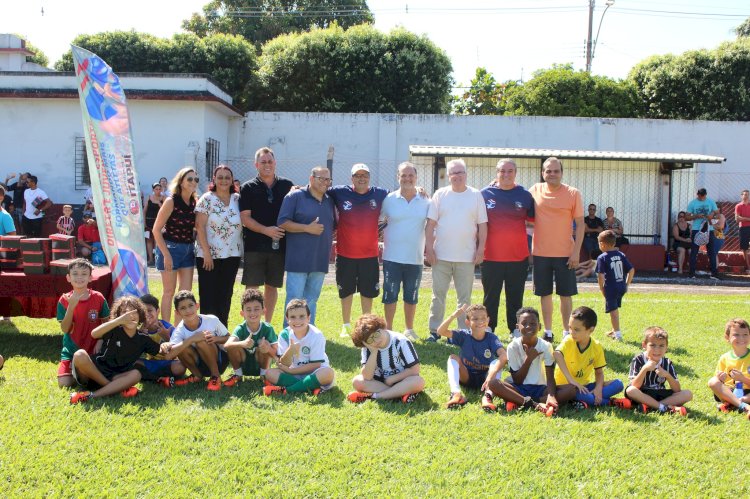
(714, 277)
(273, 390)
(346, 331)
(510, 406)
(642, 408)
(579, 405)
(130, 392)
(78, 397)
(548, 411)
(317, 391)
(618, 337)
(433, 337)
(189, 379)
(456, 401)
(166, 381)
(358, 397)
(410, 334)
(678, 409)
(487, 403)
(548, 336)
(725, 408)
(409, 398)
(267, 383)
(232, 380)
(621, 403)
(214, 384)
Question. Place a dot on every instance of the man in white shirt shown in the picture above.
(35, 202)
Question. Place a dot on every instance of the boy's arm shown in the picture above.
(66, 324)
(520, 375)
(637, 382)
(599, 379)
(303, 369)
(172, 351)
(443, 329)
(560, 360)
(409, 371)
(600, 280)
(630, 276)
(102, 329)
(502, 360)
(368, 368)
(674, 385)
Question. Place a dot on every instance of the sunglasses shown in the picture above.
(192, 179)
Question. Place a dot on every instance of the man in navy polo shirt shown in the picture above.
(307, 217)
(260, 203)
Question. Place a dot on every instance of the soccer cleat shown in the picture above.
(232, 380)
(188, 380)
(579, 405)
(273, 390)
(409, 398)
(166, 381)
(317, 391)
(548, 336)
(130, 392)
(266, 382)
(411, 335)
(78, 397)
(433, 337)
(642, 408)
(510, 406)
(621, 403)
(358, 397)
(214, 384)
(346, 331)
(487, 403)
(678, 409)
(548, 411)
(456, 401)
(725, 408)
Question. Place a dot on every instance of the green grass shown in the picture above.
(191, 442)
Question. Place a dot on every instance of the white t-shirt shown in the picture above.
(403, 237)
(312, 347)
(33, 197)
(536, 374)
(457, 215)
(208, 322)
(223, 228)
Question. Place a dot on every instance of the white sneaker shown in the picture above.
(346, 331)
(410, 334)
(618, 336)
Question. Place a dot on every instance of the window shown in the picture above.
(81, 166)
(212, 156)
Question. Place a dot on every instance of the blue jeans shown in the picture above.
(608, 391)
(305, 285)
(710, 248)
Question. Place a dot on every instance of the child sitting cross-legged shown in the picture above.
(733, 368)
(113, 369)
(156, 367)
(390, 365)
(302, 364)
(649, 371)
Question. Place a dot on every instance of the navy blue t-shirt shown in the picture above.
(615, 267)
(476, 355)
(307, 252)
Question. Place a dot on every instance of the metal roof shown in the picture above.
(505, 152)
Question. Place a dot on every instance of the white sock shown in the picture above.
(454, 375)
(375, 396)
(547, 332)
(618, 335)
(347, 324)
(262, 372)
(662, 407)
(238, 372)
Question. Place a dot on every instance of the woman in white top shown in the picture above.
(218, 243)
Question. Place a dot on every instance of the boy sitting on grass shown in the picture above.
(579, 356)
(615, 273)
(649, 371)
(302, 364)
(252, 344)
(198, 341)
(481, 359)
(390, 365)
(733, 368)
(532, 368)
(157, 367)
(79, 312)
(113, 370)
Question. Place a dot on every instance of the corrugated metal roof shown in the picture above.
(504, 152)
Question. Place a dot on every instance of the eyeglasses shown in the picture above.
(192, 179)
(373, 337)
(456, 173)
(360, 176)
(325, 180)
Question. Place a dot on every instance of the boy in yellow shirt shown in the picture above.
(733, 368)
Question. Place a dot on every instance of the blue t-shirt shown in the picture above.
(476, 355)
(6, 223)
(307, 252)
(698, 207)
(615, 267)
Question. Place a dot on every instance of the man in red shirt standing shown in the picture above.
(742, 215)
(88, 234)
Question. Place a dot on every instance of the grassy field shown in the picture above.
(191, 442)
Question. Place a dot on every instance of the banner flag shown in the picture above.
(114, 182)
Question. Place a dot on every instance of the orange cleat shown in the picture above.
(273, 390)
(409, 398)
(510, 407)
(166, 381)
(232, 380)
(621, 403)
(79, 397)
(188, 380)
(487, 404)
(130, 392)
(679, 410)
(456, 401)
(214, 384)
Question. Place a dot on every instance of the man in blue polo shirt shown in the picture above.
(307, 218)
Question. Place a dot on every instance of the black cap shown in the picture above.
(702, 191)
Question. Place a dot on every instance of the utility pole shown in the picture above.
(588, 39)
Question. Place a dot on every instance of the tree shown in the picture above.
(262, 20)
(561, 91)
(354, 70)
(743, 30)
(697, 85)
(229, 59)
(484, 97)
(39, 57)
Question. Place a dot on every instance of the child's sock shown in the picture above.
(547, 334)
(238, 372)
(375, 396)
(454, 376)
(743, 405)
(618, 335)
(262, 372)
(286, 380)
(528, 403)
(662, 407)
(306, 384)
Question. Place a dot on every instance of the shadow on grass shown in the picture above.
(653, 417)
(343, 358)
(41, 347)
(423, 403)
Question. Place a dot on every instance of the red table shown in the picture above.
(36, 296)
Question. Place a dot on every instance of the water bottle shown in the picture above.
(274, 244)
(738, 391)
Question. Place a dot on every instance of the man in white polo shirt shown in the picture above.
(405, 212)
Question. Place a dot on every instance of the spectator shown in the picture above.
(7, 201)
(742, 215)
(556, 254)
(7, 227)
(174, 236)
(35, 202)
(65, 224)
(150, 211)
(455, 235)
(615, 225)
(681, 239)
(307, 217)
(594, 226)
(405, 214)
(720, 225)
(265, 244)
(219, 248)
(89, 243)
(164, 187)
(700, 211)
(506, 254)
(17, 188)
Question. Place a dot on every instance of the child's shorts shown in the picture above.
(183, 255)
(154, 369)
(613, 299)
(536, 392)
(65, 368)
(657, 394)
(476, 379)
(250, 366)
(222, 360)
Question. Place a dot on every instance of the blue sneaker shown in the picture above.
(433, 337)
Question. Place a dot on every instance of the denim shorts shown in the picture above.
(397, 274)
(183, 255)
